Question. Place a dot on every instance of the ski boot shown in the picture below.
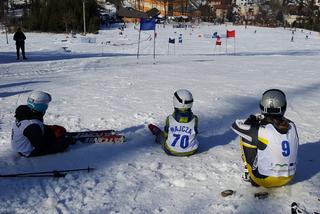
(154, 129)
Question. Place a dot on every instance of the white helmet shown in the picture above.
(182, 99)
(273, 102)
(39, 101)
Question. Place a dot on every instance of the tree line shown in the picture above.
(55, 16)
(67, 15)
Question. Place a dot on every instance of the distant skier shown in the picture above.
(292, 39)
(30, 137)
(179, 137)
(19, 37)
(269, 143)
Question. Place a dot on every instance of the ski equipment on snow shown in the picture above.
(99, 136)
(84, 134)
(155, 130)
(297, 209)
(54, 173)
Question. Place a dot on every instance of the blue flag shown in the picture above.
(148, 24)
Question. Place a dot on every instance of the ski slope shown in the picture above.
(103, 85)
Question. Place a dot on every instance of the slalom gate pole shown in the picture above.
(138, 45)
(226, 45)
(234, 44)
(154, 44)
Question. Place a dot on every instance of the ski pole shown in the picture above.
(54, 173)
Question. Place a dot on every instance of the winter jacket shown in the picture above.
(30, 137)
(19, 37)
(180, 133)
(270, 146)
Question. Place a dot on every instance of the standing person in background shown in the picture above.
(19, 37)
(292, 39)
(269, 143)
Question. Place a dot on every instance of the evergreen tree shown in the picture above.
(62, 16)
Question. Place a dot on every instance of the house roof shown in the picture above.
(153, 12)
(130, 12)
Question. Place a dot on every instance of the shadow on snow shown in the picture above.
(8, 94)
(38, 56)
(209, 139)
(20, 83)
(105, 155)
(308, 162)
(10, 57)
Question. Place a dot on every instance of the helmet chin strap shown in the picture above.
(182, 109)
(38, 112)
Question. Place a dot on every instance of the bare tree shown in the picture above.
(3, 9)
(164, 3)
(4, 17)
(68, 19)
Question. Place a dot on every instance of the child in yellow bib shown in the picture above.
(179, 137)
(269, 143)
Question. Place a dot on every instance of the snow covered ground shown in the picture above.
(102, 85)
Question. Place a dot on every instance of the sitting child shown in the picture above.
(269, 142)
(30, 136)
(181, 129)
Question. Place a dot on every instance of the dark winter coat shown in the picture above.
(32, 132)
(43, 143)
(19, 37)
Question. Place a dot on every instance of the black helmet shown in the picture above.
(273, 102)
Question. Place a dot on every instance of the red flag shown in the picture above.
(231, 33)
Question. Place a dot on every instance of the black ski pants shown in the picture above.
(20, 45)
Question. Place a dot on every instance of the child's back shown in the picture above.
(181, 129)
